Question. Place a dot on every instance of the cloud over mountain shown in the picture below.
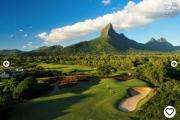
(132, 15)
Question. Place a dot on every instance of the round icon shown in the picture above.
(6, 63)
(174, 63)
(169, 111)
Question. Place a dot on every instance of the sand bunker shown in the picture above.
(137, 93)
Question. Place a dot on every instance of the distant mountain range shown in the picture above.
(13, 51)
(160, 45)
(108, 42)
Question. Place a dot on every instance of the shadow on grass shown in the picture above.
(51, 109)
(81, 86)
(119, 101)
(46, 110)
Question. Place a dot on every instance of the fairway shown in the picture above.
(78, 68)
(69, 68)
(93, 100)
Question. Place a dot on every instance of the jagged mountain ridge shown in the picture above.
(159, 45)
(108, 42)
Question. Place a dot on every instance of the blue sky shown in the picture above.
(22, 20)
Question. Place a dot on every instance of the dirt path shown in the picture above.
(138, 93)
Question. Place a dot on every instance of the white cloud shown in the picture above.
(28, 45)
(42, 35)
(24, 46)
(132, 15)
(21, 30)
(25, 35)
(11, 36)
(106, 2)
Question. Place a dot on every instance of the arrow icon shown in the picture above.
(6, 63)
(174, 63)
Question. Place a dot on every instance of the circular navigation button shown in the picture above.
(169, 112)
(174, 63)
(6, 63)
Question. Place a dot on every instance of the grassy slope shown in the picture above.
(87, 101)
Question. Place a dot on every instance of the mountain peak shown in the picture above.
(160, 44)
(107, 30)
(109, 26)
(162, 40)
(153, 40)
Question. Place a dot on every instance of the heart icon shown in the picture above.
(169, 111)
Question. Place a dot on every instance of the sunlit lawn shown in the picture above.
(69, 68)
(78, 68)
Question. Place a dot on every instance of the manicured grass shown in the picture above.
(93, 100)
(78, 68)
(69, 68)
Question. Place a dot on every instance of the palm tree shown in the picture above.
(9, 86)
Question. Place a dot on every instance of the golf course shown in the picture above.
(95, 99)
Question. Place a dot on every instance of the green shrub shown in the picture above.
(106, 70)
(169, 94)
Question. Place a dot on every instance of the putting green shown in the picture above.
(93, 100)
